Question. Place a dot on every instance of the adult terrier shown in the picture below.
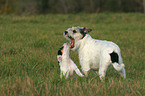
(94, 53)
(67, 66)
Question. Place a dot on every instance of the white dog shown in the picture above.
(94, 54)
(67, 66)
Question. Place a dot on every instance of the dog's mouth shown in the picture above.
(72, 42)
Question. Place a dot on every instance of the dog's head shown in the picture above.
(64, 49)
(76, 33)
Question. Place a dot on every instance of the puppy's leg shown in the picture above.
(67, 74)
(78, 72)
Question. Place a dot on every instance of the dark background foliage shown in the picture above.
(70, 6)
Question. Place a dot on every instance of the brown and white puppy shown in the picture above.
(67, 66)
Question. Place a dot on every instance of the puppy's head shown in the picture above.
(76, 33)
(64, 49)
(59, 54)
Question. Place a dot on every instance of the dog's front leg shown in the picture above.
(84, 62)
(85, 68)
(86, 73)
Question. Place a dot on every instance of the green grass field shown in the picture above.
(29, 45)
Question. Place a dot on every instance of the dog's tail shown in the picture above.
(117, 61)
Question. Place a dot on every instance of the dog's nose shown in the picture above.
(65, 32)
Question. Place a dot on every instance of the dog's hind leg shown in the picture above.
(104, 63)
(118, 63)
(120, 69)
(102, 72)
(122, 72)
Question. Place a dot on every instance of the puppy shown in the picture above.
(67, 66)
(94, 54)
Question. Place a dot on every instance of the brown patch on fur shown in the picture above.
(62, 50)
(71, 29)
(87, 30)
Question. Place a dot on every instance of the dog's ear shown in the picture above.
(87, 30)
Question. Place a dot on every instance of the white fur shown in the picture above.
(67, 66)
(94, 54)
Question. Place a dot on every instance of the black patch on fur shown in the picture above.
(65, 32)
(59, 52)
(114, 57)
(74, 31)
(83, 33)
(61, 48)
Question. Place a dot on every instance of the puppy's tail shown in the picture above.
(117, 66)
(78, 72)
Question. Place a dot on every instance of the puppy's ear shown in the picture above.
(59, 52)
(87, 30)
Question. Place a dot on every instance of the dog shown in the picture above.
(67, 66)
(94, 54)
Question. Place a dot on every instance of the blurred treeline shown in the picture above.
(70, 6)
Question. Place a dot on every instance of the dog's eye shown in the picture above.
(74, 31)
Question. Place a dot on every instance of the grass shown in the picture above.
(28, 49)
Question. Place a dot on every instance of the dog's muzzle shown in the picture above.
(71, 39)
